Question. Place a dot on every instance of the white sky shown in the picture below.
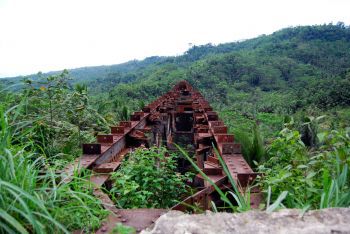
(45, 35)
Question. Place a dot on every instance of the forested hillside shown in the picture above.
(291, 63)
(294, 70)
(285, 97)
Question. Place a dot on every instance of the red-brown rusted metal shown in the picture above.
(180, 116)
(126, 124)
(118, 130)
(107, 167)
(225, 138)
(105, 139)
(91, 148)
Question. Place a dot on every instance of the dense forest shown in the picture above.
(285, 97)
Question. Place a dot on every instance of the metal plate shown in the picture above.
(107, 167)
(135, 117)
(126, 124)
(219, 129)
(227, 148)
(226, 138)
(117, 129)
(91, 148)
(105, 138)
(247, 178)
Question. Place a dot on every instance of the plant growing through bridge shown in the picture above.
(243, 201)
(148, 178)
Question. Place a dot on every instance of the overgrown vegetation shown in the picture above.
(296, 80)
(149, 178)
(31, 201)
(315, 178)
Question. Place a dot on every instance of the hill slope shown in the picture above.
(289, 69)
(292, 68)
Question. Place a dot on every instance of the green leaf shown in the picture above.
(12, 221)
(278, 202)
(302, 166)
(311, 174)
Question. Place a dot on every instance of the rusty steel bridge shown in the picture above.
(180, 116)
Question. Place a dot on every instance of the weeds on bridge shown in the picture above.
(148, 178)
(31, 200)
(243, 201)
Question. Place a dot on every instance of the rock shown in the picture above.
(333, 220)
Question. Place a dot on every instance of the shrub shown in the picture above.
(148, 178)
(314, 178)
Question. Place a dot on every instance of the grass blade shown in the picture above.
(12, 221)
(278, 202)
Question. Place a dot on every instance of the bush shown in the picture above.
(316, 178)
(148, 178)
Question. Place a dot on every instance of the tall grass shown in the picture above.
(257, 148)
(30, 199)
(246, 144)
(336, 192)
(252, 147)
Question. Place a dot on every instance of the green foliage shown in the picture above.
(336, 192)
(148, 178)
(243, 202)
(257, 149)
(282, 72)
(310, 130)
(124, 115)
(31, 201)
(277, 203)
(59, 118)
(248, 133)
(253, 148)
(315, 178)
(295, 72)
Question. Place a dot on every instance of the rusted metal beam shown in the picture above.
(92, 148)
(118, 130)
(105, 139)
(181, 115)
(107, 167)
